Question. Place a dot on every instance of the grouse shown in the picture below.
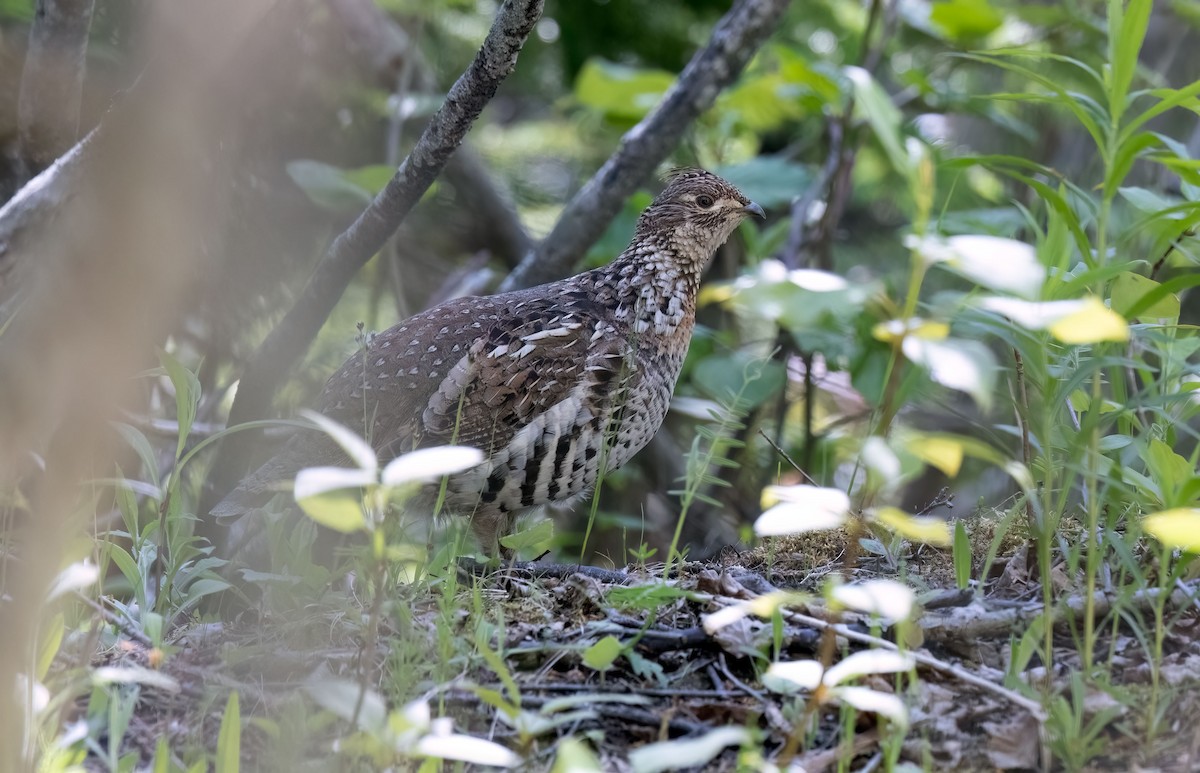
(555, 384)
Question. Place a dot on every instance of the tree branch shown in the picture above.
(734, 40)
(367, 235)
(52, 82)
(386, 50)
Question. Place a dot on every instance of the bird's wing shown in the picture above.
(538, 357)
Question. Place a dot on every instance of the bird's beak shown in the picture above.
(754, 209)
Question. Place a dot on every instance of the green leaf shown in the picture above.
(187, 396)
(49, 642)
(1126, 31)
(966, 19)
(229, 740)
(134, 437)
(768, 180)
(620, 91)
(337, 510)
(536, 538)
(575, 756)
(723, 376)
(371, 178)
(1129, 289)
(962, 556)
(328, 187)
(603, 653)
(874, 104)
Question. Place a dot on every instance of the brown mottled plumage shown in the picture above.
(548, 382)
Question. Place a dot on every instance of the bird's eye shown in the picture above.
(704, 200)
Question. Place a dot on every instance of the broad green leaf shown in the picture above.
(1129, 288)
(229, 739)
(934, 531)
(620, 91)
(328, 187)
(965, 19)
(335, 510)
(575, 756)
(149, 459)
(1179, 528)
(768, 180)
(687, 752)
(537, 537)
(876, 106)
(1145, 200)
(603, 653)
(722, 377)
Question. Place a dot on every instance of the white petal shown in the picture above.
(723, 617)
(355, 447)
(430, 463)
(1028, 314)
(686, 752)
(880, 458)
(36, 693)
(134, 675)
(805, 674)
(868, 662)
(866, 699)
(318, 480)
(817, 281)
(889, 599)
(992, 261)
(466, 748)
(795, 518)
(77, 576)
(957, 363)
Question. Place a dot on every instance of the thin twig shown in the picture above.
(734, 40)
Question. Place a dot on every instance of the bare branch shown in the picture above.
(734, 40)
(52, 82)
(368, 234)
(387, 52)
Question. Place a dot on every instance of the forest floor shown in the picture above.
(673, 679)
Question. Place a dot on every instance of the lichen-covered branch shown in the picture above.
(734, 40)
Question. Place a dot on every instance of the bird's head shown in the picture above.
(695, 213)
